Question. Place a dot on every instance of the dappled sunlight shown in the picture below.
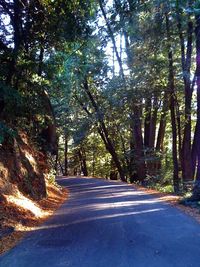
(109, 186)
(134, 203)
(25, 203)
(31, 160)
(101, 217)
(112, 191)
(3, 170)
(130, 193)
(119, 204)
(169, 198)
(88, 203)
(120, 194)
(106, 203)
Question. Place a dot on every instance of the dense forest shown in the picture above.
(102, 88)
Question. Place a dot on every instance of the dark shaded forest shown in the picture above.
(101, 88)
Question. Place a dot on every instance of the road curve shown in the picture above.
(110, 224)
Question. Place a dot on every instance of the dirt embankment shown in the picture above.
(19, 214)
(27, 197)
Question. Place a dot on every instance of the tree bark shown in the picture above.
(101, 4)
(162, 125)
(172, 108)
(153, 123)
(102, 130)
(138, 144)
(16, 22)
(132, 170)
(147, 122)
(161, 131)
(186, 55)
(66, 154)
(82, 157)
(196, 142)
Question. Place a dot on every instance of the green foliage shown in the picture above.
(164, 189)
(12, 98)
(6, 133)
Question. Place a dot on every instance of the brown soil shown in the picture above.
(22, 218)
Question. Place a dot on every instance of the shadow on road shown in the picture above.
(92, 200)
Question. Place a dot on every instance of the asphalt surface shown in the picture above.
(109, 224)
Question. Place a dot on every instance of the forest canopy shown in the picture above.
(105, 88)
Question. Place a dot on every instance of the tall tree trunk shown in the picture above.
(161, 131)
(136, 120)
(162, 125)
(136, 107)
(147, 122)
(113, 172)
(110, 31)
(186, 55)
(61, 167)
(66, 154)
(16, 23)
(196, 142)
(147, 133)
(178, 118)
(152, 161)
(138, 143)
(153, 123)
(82, 158)
(172, 108)
(110, 148)
(132, 170)
(102, 130)
(56, 163)
(49, 133)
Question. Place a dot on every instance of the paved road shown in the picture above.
(109, 224)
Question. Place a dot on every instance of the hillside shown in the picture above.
(27, 195)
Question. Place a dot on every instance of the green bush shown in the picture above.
(6, 132)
